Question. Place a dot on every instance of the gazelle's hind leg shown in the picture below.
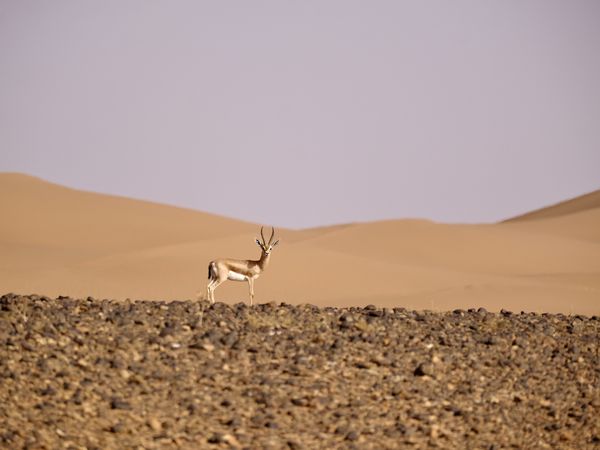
(213, 278)
(212, 286)
(217, 277)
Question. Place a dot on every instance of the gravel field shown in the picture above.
(102, 374)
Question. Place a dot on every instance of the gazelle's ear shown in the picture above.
(275, 243)
(259, 243)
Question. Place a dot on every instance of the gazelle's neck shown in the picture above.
(264, 260)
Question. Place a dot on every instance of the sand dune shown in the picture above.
(57, 240)
(582, 225)
(574, 205)
(49, 215)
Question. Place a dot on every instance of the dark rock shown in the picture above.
(342, 430)
(216, 438)
(490, 340)
(117, 427)
(299, 401)
(294, 445)
(230, 339)
(338, 344)
(117, 403)
(352, 436)
(233, 422)
(48, 390)
(424, 369)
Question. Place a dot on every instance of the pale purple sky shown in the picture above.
(307, 113)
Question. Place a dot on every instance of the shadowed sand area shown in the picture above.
(60, 241)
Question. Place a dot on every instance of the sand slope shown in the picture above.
(582, 203)
(57, 240)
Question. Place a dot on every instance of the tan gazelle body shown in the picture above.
(248, 270)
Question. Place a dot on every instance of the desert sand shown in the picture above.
(110, 367)
(60, 241)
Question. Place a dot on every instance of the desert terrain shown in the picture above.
(383, 335)
(60, 241)
(102, 374)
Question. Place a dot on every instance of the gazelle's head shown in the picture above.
(267, 248)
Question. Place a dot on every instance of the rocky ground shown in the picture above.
(102, 374)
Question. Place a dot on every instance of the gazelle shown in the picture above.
(248, 270)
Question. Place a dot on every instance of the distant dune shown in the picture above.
(582, 203)
(55, 240)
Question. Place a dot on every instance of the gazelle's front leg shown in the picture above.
(208, 291)
(251, 289)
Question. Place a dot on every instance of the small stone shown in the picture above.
(231, 440)
(234, 422)
(338, 344)
(352, 436)
(154, 424)
(299, 401)
(346, 318)
(490, 340)
(117, 403)
(361, 325)
(396, 390)
(230, 339)
(87, 408)
(216, 438)
(48, 390)
(362, 365)
(294, 445)
(116, 428)
(208, 347)
(341, 430)
(424, 369)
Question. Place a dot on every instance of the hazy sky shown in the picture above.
(309, 112)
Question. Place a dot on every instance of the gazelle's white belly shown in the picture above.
(234, 276)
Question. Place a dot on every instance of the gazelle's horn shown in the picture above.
(262, 236)
(272, 235)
